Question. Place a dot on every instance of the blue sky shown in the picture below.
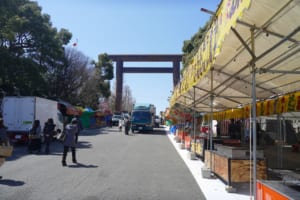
(132, 27)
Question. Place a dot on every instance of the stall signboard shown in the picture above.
(280, 105)
(226, 16)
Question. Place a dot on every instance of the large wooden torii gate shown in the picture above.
(120, 69)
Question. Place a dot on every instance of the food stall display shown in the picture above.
(232, 164)
(246, 68)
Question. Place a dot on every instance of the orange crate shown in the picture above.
(267, 193)
(187, 141)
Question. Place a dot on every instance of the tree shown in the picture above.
(90, 93)
(30, 48)
(69, 79)
(190, 47)
(127, 99)
(35, 60)
(97, 85)
(105, 72)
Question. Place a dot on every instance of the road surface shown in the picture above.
(111, 166)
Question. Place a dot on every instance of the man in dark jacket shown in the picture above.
(232, 129)
(70, 141)
(48, 133)
(80, 127)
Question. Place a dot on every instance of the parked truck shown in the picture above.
(19, 114)
(143, 117)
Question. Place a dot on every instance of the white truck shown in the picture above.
(20, 112)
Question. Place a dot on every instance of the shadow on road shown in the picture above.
(83, 144)
(156, 131)
(81, 165)
(90, 132)
(18, 152)
(56, 148)
(10, 182)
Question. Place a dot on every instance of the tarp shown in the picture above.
(68, 109)
(222, 68)
(86, 117)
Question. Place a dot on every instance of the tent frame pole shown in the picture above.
(211, 116)
(253, 115)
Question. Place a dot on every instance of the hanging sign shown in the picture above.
(226, 16)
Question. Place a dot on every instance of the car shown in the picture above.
(115, 119)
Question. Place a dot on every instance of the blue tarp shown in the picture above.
(173, 129)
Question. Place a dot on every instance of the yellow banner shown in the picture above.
(226, 16)
(268, 107)
(291, 105)
(297, 107)
(283, 104)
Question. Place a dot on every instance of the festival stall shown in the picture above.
(87, 117)
(100, 119)
(93, 118)
(177, 117)
(68, 111)
(246, 65)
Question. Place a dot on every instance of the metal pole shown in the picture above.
(211, 116)
(281, 141)
(194, 124)
(253, 116)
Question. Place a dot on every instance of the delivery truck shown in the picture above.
(19, 114)
(143, 117)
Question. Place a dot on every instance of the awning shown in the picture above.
(259, 36)
(250, 53)
(68, 109)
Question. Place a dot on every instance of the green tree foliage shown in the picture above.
(35, 59)
(105, 71)
(31, 50)
(90, 93)
(97, 85)
(127, 99)
(190, 47)
(68, 80)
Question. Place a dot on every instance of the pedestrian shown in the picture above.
(126, 124)
(48, 134)
(70, 141)
(121, 123)
(232, 129)
(34, 142)
(4, 140)
(258, 133)
(79, 126)
(218, 126)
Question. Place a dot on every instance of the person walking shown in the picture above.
(4, 140)
(35, 137)
(80, 127)
(3, 134)
(48, 134)
(232, 129)
(70, 141)
(126, 124)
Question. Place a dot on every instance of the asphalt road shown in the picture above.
(111, 166)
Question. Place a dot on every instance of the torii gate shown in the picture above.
(120, 69)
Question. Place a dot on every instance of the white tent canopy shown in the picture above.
(250, 52)
(264, 39)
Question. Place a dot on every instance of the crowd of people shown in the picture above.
(37, 136)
